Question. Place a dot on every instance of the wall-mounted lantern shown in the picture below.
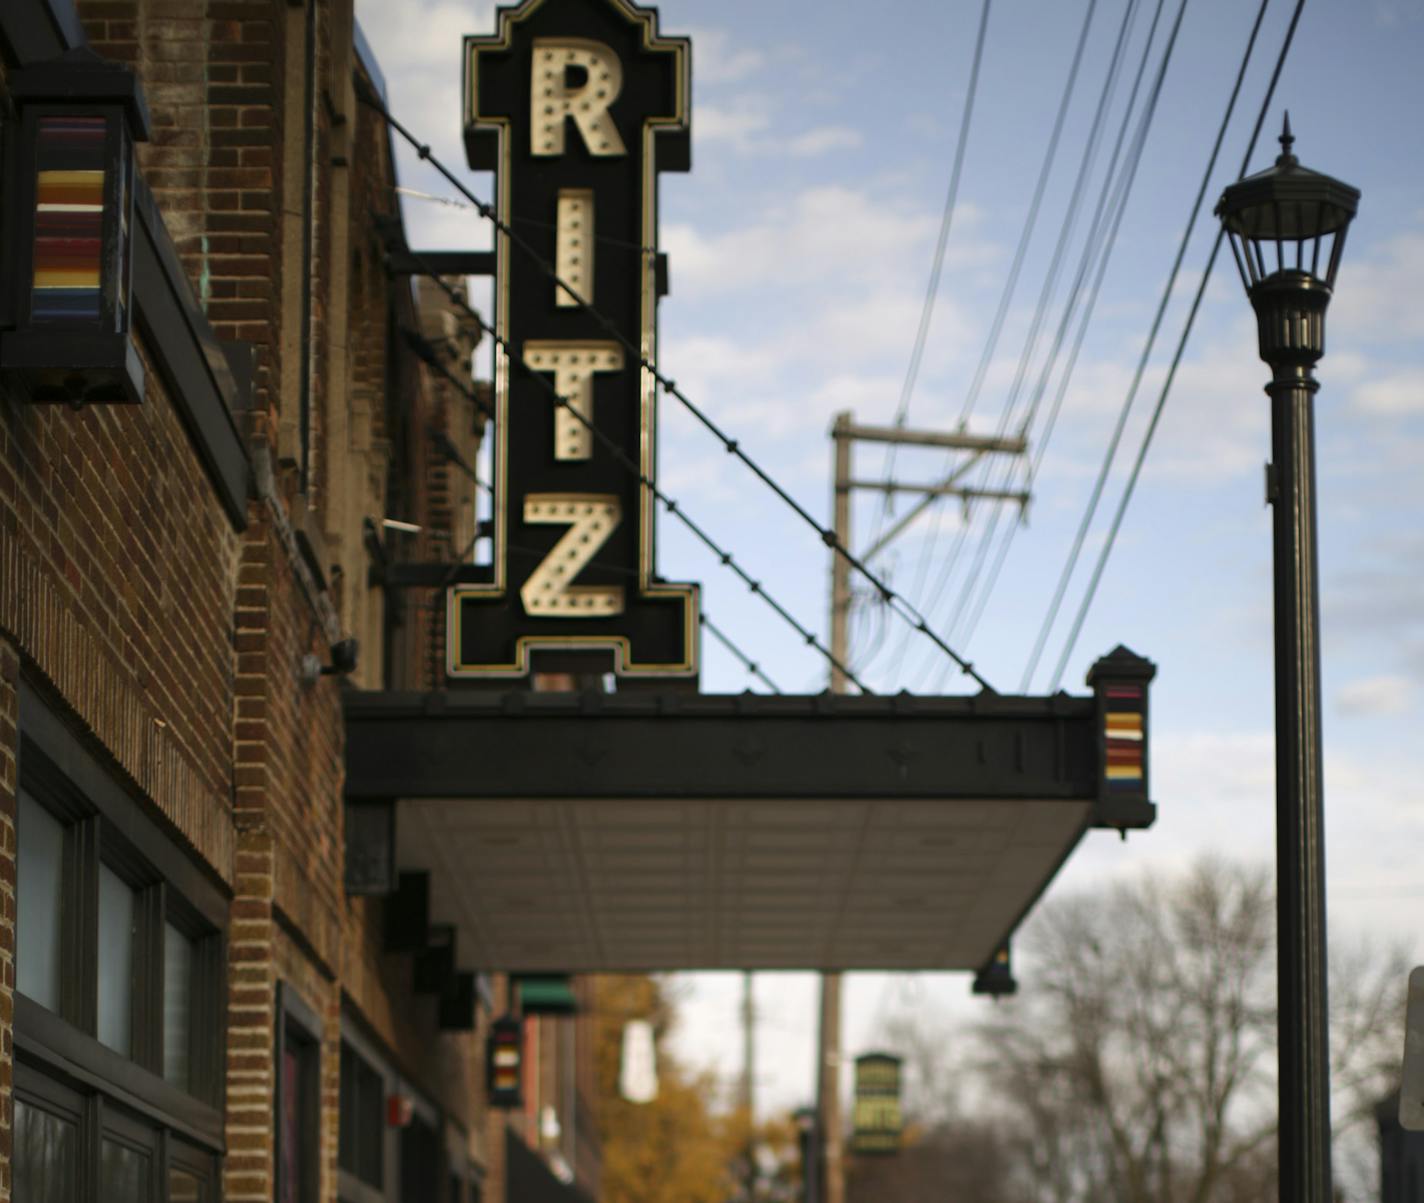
(69, 230)
(1120, 682)
(504, 1063)
(996, 978)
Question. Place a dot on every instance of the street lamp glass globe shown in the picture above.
(1287, 219)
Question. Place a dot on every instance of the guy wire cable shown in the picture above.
(893, 599)
(428, 355)
(1171, 373)
(1085, 164)
(1041, 445)
(951, 199)
(1010, 284)
(1118, 208)
(725, 640)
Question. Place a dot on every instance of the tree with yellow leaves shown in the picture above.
(674, 1149)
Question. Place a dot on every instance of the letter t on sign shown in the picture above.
(573, 365)
(552, 97)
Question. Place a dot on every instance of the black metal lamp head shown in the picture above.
(70, 210)
(1283, 224)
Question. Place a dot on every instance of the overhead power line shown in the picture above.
(1162, 396)
(1109, 216)
(1102, 236)
(1000, 314)
(895, 601)
(1085, 164)
(912, 373)
(1142, 361)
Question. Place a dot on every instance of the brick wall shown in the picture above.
(117, 565)
(9, 751)
(210, 70)
(251, 1045)
(175, 642)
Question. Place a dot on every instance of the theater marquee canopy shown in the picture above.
(656, 828)
(574, 832)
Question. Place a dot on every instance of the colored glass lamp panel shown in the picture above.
(70, 162)
(505, 1062)
(1123, 736)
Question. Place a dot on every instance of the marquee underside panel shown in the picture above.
(578, 885)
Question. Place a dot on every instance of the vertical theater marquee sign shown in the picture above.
(575, 105)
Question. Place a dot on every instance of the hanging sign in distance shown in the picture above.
(877, 1120)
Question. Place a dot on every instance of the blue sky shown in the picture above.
(800, 246)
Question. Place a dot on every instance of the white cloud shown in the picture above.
(716, 60)
(1368, 306)
(835, 278)
(739, 127)
(1385, 694)
(747, 128)
(818, 235)
(1393, 395)
(822, 139)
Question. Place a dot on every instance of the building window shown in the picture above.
(118, 917)
(180, 960)
(46, 1153)
(298, 1098)
(125, 1171)
(421, 1159)
(119, 984)
(363, 1118)
(40, 903)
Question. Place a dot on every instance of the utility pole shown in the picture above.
(748, 1080)
(831, 1177)
(844, 434)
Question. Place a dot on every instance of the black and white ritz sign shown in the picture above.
(576, 105)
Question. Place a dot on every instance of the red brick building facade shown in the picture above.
(192, 1007)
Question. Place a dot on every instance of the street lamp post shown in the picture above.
(1280, 222)
(807, 1119)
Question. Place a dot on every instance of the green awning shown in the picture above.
(547, 995)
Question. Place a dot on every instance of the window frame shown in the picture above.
(44, 1093)
(422, 1172)
(113, 1125)
(199, 1163)
(298, 1028)
(105, 825)
(352, 1185)
(349, 1187)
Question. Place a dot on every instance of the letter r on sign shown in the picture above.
(552, 98)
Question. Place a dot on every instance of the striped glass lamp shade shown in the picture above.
(70, 162)
(1120, 683)
(1123, 732)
